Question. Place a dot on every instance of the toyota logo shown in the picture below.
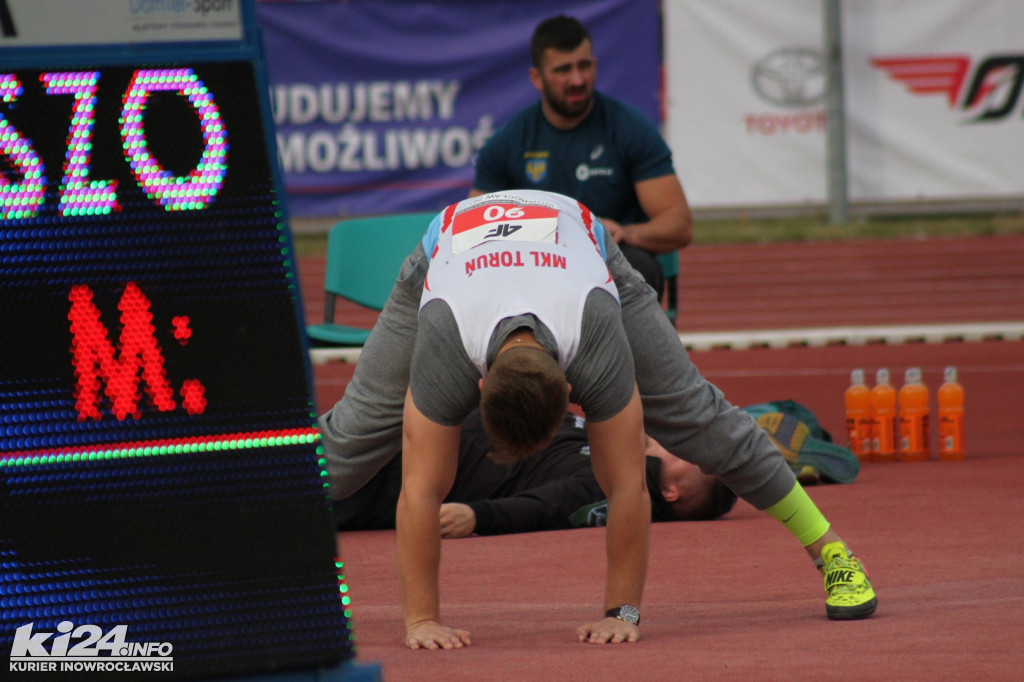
(790, 77)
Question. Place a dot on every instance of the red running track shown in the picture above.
(736, 599)
(814, 284)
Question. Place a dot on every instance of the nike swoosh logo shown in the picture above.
(788, 518)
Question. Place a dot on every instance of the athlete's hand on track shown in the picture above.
(430, 634)
(609, 630)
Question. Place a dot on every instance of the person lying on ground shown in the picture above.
(554, 490)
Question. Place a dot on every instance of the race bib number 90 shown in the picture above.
(509, 222)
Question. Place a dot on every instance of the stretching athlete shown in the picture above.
(511, 299)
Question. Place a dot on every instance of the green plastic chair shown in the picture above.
(364, 256)
(670, 269)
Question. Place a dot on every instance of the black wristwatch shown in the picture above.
(626, 612)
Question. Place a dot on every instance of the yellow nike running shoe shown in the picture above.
(846, 583)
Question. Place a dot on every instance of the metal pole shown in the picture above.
(835, 116)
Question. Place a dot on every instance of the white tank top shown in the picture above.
(514, 253)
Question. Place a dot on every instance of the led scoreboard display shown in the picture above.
(143, 247)
(162, 500)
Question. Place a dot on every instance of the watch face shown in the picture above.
(629, 614)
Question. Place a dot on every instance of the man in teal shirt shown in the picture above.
(592, 147)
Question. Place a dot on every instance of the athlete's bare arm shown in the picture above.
(430, 455)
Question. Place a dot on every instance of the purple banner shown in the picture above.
(381, 105)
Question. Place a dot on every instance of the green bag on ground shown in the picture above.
(808, 448)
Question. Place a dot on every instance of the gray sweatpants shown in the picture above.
(684, 412)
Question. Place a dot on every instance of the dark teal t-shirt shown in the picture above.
(596, 163)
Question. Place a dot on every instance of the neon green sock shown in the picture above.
(799, 514)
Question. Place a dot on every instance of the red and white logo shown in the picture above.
(990, 91)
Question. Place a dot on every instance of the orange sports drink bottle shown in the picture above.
(951, 418)
(858, 416)
(913, 400)
(882, 400)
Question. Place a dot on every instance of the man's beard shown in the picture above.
(561, 107)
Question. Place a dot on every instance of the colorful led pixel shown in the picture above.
(79, 195)
(22, 198)
(174, 193)
(137, 358)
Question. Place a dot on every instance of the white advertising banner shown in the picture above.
(745, 85)
(31, 23)
(933, 97)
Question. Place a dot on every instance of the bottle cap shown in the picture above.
(950, 375)
(857, 376)
(912, 375)
(882, 376)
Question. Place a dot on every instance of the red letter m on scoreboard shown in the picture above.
(96, 361)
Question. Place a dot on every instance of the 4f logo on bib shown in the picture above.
(503, 230)
(513, 222)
